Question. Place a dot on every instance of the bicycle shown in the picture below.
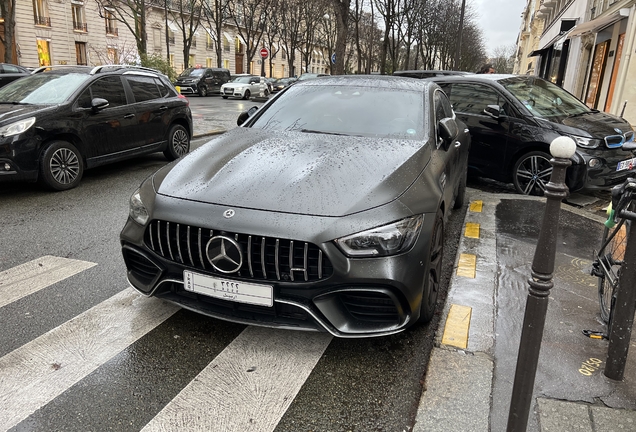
(610, 257)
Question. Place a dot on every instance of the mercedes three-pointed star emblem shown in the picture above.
(224, 253)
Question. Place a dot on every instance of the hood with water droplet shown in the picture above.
(295, 172)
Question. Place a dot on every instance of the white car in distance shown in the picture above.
(243, 87)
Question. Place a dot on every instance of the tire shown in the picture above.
(247, 94)
(266, 92)
(531, 173)
(224, 97)
(612, 257)
(61, 166)
(460, 197)
(203, 91)
(433, 275)
(178, 143)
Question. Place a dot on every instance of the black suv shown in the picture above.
(513, 119)
(62, 120)
(203, 81)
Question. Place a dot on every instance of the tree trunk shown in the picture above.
(342, 20)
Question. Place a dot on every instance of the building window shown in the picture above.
(172, 60)
(191, 61)
(80, 53)
(156, 38)
(209, 43)
(41, 13)
(111, 23)
(226, 45)
(44, 52)
(208, 62)
(194, 41)
(79, 19)
(113, 55)
(171, 36)
(226, 64)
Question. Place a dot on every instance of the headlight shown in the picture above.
(587, 142)
(138, 211)
(386, 240)
(17, 127)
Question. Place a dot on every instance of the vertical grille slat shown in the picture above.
(280, 259)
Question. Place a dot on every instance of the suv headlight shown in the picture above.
(587, 142)
(138, 211)
(386, 240)
(17, 127)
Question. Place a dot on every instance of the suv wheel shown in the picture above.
(203, 91)
(61, 166)
(178, 143)
(532, 172)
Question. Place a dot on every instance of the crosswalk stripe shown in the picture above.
(248, 387)
(44, 368)
(30, 277)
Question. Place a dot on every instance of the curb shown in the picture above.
(209, 133)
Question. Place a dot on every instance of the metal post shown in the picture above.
(562, 149)
(623, 316)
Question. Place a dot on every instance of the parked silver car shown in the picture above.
(243, 87)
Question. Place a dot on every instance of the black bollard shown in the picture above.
(562, 149)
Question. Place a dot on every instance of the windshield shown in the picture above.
(244, 80)
(191, 73)
(42, 89)
(347, 110)
(544, 99)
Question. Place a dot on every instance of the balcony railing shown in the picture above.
(112, 31)
(42, 21)
(78, 26)
(171, 39)
(209, 45)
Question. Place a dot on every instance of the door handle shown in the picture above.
(129, 116)
(163, 108)
(458, 144)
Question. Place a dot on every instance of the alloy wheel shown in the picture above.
(180, 142)
(532, 174)
(64, 166)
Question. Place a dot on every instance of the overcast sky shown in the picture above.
(499, 20)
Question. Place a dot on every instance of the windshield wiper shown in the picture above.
(325, 133)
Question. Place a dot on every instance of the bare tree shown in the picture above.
(272, 32)
(187, 16)
(341, 12)
(215, 14)
(132, 14)
(250, 17)
(326, 33)
(503, 58)
(311, 12)
(7, 10)
(291, 31)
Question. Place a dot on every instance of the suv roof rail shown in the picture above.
(43, 68)
(98, 69)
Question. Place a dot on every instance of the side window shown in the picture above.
(443, 107)
(143, 88)
(164, 90)
(84, 101)
(111, 89)
(472, 98)
(10, 69)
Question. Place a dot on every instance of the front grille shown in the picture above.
(141, 268)
(614, 141)
(264, 258)
(371, 307)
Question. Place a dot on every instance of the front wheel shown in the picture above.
(433, 276)
(460, 198)
(178, 143)
(611, 259)
(531, 173)
(224, 97)
(203, 91)
(247, 94)
(61, 166)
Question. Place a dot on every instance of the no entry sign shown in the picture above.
(264, 53)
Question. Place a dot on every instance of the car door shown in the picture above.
(255, 86)
(452, 152)
(489, 135)
(110, 130)
(153, 111)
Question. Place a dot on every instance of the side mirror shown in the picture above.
(448, 131)
(629, 146)
(492, 111)
(98, 104)
(242, 118)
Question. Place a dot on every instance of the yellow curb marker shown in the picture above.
(472, 230)
(476, 206)
(457, 326)
(466, 266)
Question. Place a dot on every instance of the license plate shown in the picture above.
(626, 164)
(226, 289)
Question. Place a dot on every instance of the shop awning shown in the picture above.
(538, 52)
(598, 24)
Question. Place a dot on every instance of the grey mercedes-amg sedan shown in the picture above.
(323, 211)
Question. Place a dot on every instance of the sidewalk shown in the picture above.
(471, 371)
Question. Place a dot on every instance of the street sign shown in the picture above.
(333, 58)
(264, 53)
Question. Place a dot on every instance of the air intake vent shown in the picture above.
(371, 307)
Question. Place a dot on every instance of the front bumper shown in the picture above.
(353, 298)
(604, 175)
(187, 88)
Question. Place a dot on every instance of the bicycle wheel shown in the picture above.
(611, 261)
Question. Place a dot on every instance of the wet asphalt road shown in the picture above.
(357, 385)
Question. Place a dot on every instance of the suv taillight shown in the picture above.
(184, 98)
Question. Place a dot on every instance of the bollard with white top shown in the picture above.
(562, 149)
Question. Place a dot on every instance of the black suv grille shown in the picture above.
(264, 258)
